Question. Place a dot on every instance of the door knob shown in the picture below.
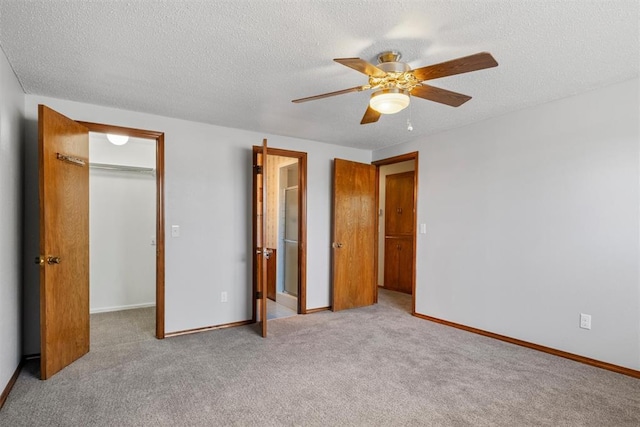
(337, 245)
(53, 260)
(266, 253)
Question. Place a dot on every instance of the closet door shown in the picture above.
(63, 146)
(399, 231)
(398, 255)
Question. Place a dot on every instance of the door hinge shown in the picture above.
(259, 295)
(258, 169)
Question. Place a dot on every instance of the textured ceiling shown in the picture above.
(240, 63)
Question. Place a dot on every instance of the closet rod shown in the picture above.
(121, 168)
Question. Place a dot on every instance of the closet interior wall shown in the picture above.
(122, 224)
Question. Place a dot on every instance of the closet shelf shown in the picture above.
(122, 168)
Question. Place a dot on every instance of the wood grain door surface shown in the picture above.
(399, 215)
(260, 273)
(398, 264)
(354, 222)
(63, 147)
(399, 231)
(272, 271)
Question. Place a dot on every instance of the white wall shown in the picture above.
(533, 218)
(122, 226)
(207, 193)
(11, 106)
(383, 171)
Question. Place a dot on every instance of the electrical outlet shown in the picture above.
(223, 297)
(585, 321)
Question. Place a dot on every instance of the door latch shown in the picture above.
(266, 253)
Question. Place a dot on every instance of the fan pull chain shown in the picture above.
(409, 125)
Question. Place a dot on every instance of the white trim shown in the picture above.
(287, 300)
(122, 307)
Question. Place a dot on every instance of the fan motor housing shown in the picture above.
(394, 67)
(389, 61)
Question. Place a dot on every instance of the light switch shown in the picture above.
(175, 231)
(423, 228)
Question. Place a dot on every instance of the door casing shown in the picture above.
(388, 161)
(302, 225)
(160, 237)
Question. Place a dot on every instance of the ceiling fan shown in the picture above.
(394, 82)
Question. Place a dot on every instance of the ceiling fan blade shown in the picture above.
(479, 61)
(370, 116)
(362, 66)
(326, 95)
(442, 96)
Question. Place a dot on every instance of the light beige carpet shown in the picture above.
(120, 327)
(374, 366)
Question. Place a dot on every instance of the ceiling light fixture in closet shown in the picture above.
(117, 139)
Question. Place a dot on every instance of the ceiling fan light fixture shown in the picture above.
(389, 101)
(117, 139)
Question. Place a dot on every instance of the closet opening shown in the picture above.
(282, 237)
(126, 242)
(397, 203)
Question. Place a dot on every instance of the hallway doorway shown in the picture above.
(284, 233)
(397, 227)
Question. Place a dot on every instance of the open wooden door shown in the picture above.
(259, 243)
(354, 229)
(63, 147)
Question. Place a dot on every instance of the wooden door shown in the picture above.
(261, 253)
(399, 215)
(398, 264)
(272, 271)
(63, 147)
(354, 227)
(399, 231)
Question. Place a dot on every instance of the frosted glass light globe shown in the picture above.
(389, 101)
(117, 139)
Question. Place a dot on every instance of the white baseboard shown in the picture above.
(121, 307)
(287, 300)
